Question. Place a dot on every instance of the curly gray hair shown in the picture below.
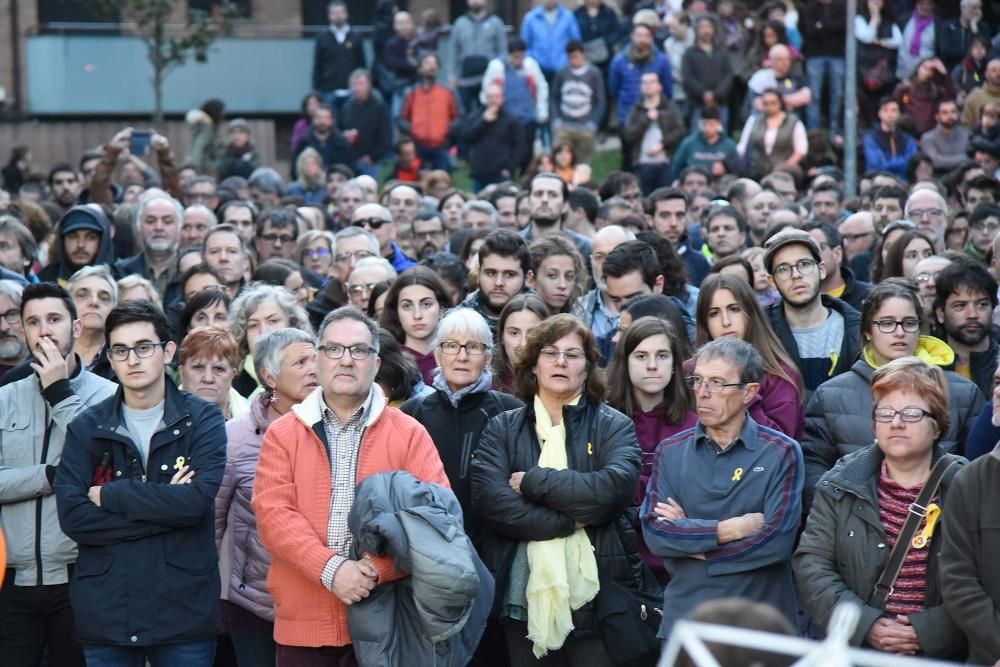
(251, 299)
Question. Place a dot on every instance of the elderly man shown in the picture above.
(311, 460)
(378, 220)
(369, 272)
(929, 211)
(13, 348)
(723, 503)
(925, 274)
(35, 613)
(94, 292)
(794, 90)
(351, 245)
(857, 233)
(197, 220)
(158, 223)
(596, 308)
(17, 246)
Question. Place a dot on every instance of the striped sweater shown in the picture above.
(910, 588)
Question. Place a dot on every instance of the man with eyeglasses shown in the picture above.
(310, 463)
(857, 234)
(819, 332)
(369, 272)
(201, 190)
(275, 236)
(429, 234)
(929, 212)
(925, 274)
(35, 614)
(378, 220)
(13, 348)
(136, 489)
(351, 245)
(966, 295)
(724, 501)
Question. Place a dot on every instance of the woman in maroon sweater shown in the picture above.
(728, 306)
(646, 383)
(413, 307)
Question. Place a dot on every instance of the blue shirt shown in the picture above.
(762, 471)
(546, 41)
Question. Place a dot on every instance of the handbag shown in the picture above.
(596, 51)
(877, 76)
(916, 514)
(628, 620)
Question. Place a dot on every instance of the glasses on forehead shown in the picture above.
(371, 223)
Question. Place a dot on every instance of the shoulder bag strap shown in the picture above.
(917, 512)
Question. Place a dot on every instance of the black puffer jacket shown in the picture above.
(595, 490)
(456, 432)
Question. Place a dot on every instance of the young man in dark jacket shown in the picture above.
(338, 52)
(494, 140)
(136, 490)
(85, 235)
(707, 72)
(653, 128)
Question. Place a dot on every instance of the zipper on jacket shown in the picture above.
(38, 503)
(137, 469)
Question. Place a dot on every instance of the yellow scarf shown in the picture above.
(562, 572)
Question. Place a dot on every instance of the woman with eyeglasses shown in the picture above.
(413, 307)
(258, 309)
(728, 306)
(517, 319)
(837, 414)
(314, 251)
(860, 507)
(552, 486)
(646, 384)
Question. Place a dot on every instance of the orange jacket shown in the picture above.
(429, 113)
(291, 499)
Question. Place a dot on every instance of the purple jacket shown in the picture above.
(243, 560)
(778, 406)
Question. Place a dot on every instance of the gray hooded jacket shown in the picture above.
(437, 615)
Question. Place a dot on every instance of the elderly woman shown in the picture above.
(260, 309)
(547, 479)
(314, 251)
(836, 414)
(859, 510)
(463, 402)
(286, 362)
(208, 362)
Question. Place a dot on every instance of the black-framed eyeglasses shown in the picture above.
(143, 350)
(910, 325)
(372, 223)
(274, 238)
(910, 415)
(711, 385)
(12, 316)
(357, 352)
(453, 347)
(804, 266)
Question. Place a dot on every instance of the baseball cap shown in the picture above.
(80, 218)
(788, 237)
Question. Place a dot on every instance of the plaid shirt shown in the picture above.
(344, 441)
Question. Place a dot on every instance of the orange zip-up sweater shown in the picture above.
(430, 111)
(291, 499)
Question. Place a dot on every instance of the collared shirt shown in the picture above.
(161, 282)
(340, 33)
(344, 441)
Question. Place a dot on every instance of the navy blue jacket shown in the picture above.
(148, 570)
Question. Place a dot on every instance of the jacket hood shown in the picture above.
(934, 351)
(310, 411)
(105, 251)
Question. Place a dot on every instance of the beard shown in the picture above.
(12, 347)
(968, 337)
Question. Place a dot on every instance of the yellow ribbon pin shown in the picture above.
(590, 449)
(737, 474)
(179, 463)
(921, 540)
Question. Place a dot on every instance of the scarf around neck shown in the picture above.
(920, 23)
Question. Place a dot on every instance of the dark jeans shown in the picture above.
(323, 656)
(574, 653)
(33, 619)
(434, 158)
(652, 176)
(184, 654)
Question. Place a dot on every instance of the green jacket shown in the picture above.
(844, 549)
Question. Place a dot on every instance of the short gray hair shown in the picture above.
(151, 195)
(100, 271)
(365, 262)
(12, 289)
(251, 298)
(738, 352)
(464, 320)
(351, 232)
(269, 348)
(204, 209)
(351, 313)
(481, 206)
(266, 179)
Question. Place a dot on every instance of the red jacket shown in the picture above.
(291, 499)
(429, 112)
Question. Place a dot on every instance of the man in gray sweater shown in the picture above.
(946, 142)
(477, 37)
(576, 103)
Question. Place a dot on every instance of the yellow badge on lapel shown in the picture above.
(179, 463)
(738, 474)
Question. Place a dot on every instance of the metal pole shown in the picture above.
(850, 104)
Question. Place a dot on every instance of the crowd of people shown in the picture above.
(364, 417)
